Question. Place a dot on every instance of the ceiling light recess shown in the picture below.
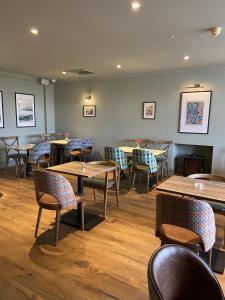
(118, 66)
(135, 5)
(34, 31)
(186, 57)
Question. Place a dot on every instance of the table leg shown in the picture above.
(73, 216)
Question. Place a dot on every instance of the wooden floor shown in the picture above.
(108, 262)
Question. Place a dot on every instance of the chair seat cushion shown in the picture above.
(161, 159)
(171, 234)
(142, 168)
(75, 153)
(98, 182)
(44, 160)
(49, 202)
(217, 207)
(17, 155)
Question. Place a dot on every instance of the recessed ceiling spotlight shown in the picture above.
(135, 5)
(64, 72)
(119, 66)
(186, 57)
(172, 37)
(34, 31)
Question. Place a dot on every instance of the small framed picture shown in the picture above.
(1, 111)
(195, 112)
(25, 110)
(149, 109)
(89, 111)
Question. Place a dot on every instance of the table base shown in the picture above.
(90, 220)
(218, 260)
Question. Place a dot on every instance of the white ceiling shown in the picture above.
(99, 34)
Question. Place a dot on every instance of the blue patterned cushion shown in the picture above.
(144, 157)
(116, 154)
(73, 144)
(87, 142)
(38, 151)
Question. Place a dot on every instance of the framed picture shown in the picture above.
(89, 111)
(1, 111)
(149, 109)
(195, 112)
(25, 110)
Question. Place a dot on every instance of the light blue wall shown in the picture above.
(11, 83)
(119, 108)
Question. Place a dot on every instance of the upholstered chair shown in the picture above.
(104, 183)
(144, 162)
(218, 208)
(87, 145)
(11, 154)
(117, 155)
(185, 221)
(73, 149)
(54, 192)
(175, 272)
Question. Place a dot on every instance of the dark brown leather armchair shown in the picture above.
(177, 273)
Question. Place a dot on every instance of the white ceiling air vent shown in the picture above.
(80, 72)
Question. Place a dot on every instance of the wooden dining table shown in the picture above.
(129, 150)
(202, 190)
(81, 170)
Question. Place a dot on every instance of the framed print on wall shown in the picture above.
(1, 111)
(25, 110)
(89, 111)
(195, 112)
(149, 109)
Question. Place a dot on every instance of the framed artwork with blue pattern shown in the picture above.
(195, 112)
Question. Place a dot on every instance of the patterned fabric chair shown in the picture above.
(39, 155)
(119, 156)
(73, 149)
(144, 162)
(11, 154)
(54, 192)
(175, 272)
(104, 183)
(87, 144)
(218, 208)
(185, 221)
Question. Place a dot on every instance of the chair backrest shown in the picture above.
(145, 157)
(55, 185)
(189, 213)
(38, 151)
(74, 144)
(87, 142)
(209, 177)
(162, 144)
(117, 155)
(9, 141)
(175, 272)
(45, 137)
(57, 136)
(133, 142)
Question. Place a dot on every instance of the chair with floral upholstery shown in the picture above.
(119, 156)
(218, 208)
(54, 192)
(87, 144)
(185, 221)
(39, 155)
(144, 162)
(73, 149)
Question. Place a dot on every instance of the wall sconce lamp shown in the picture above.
(88, 97)
(195, 86)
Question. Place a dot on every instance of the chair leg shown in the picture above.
(118, 180)
(210, 257)
(133, 181)
(167, 170)
(147, 182)
(38, 222)
(6, 167)
(116, 187)
(16, 162)
(224, 237)
(162, 172)
(139, 178)
(94, 195)
(105, 201)
(57, 226)
(80, 208)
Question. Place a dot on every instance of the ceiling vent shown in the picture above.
(80, 72)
